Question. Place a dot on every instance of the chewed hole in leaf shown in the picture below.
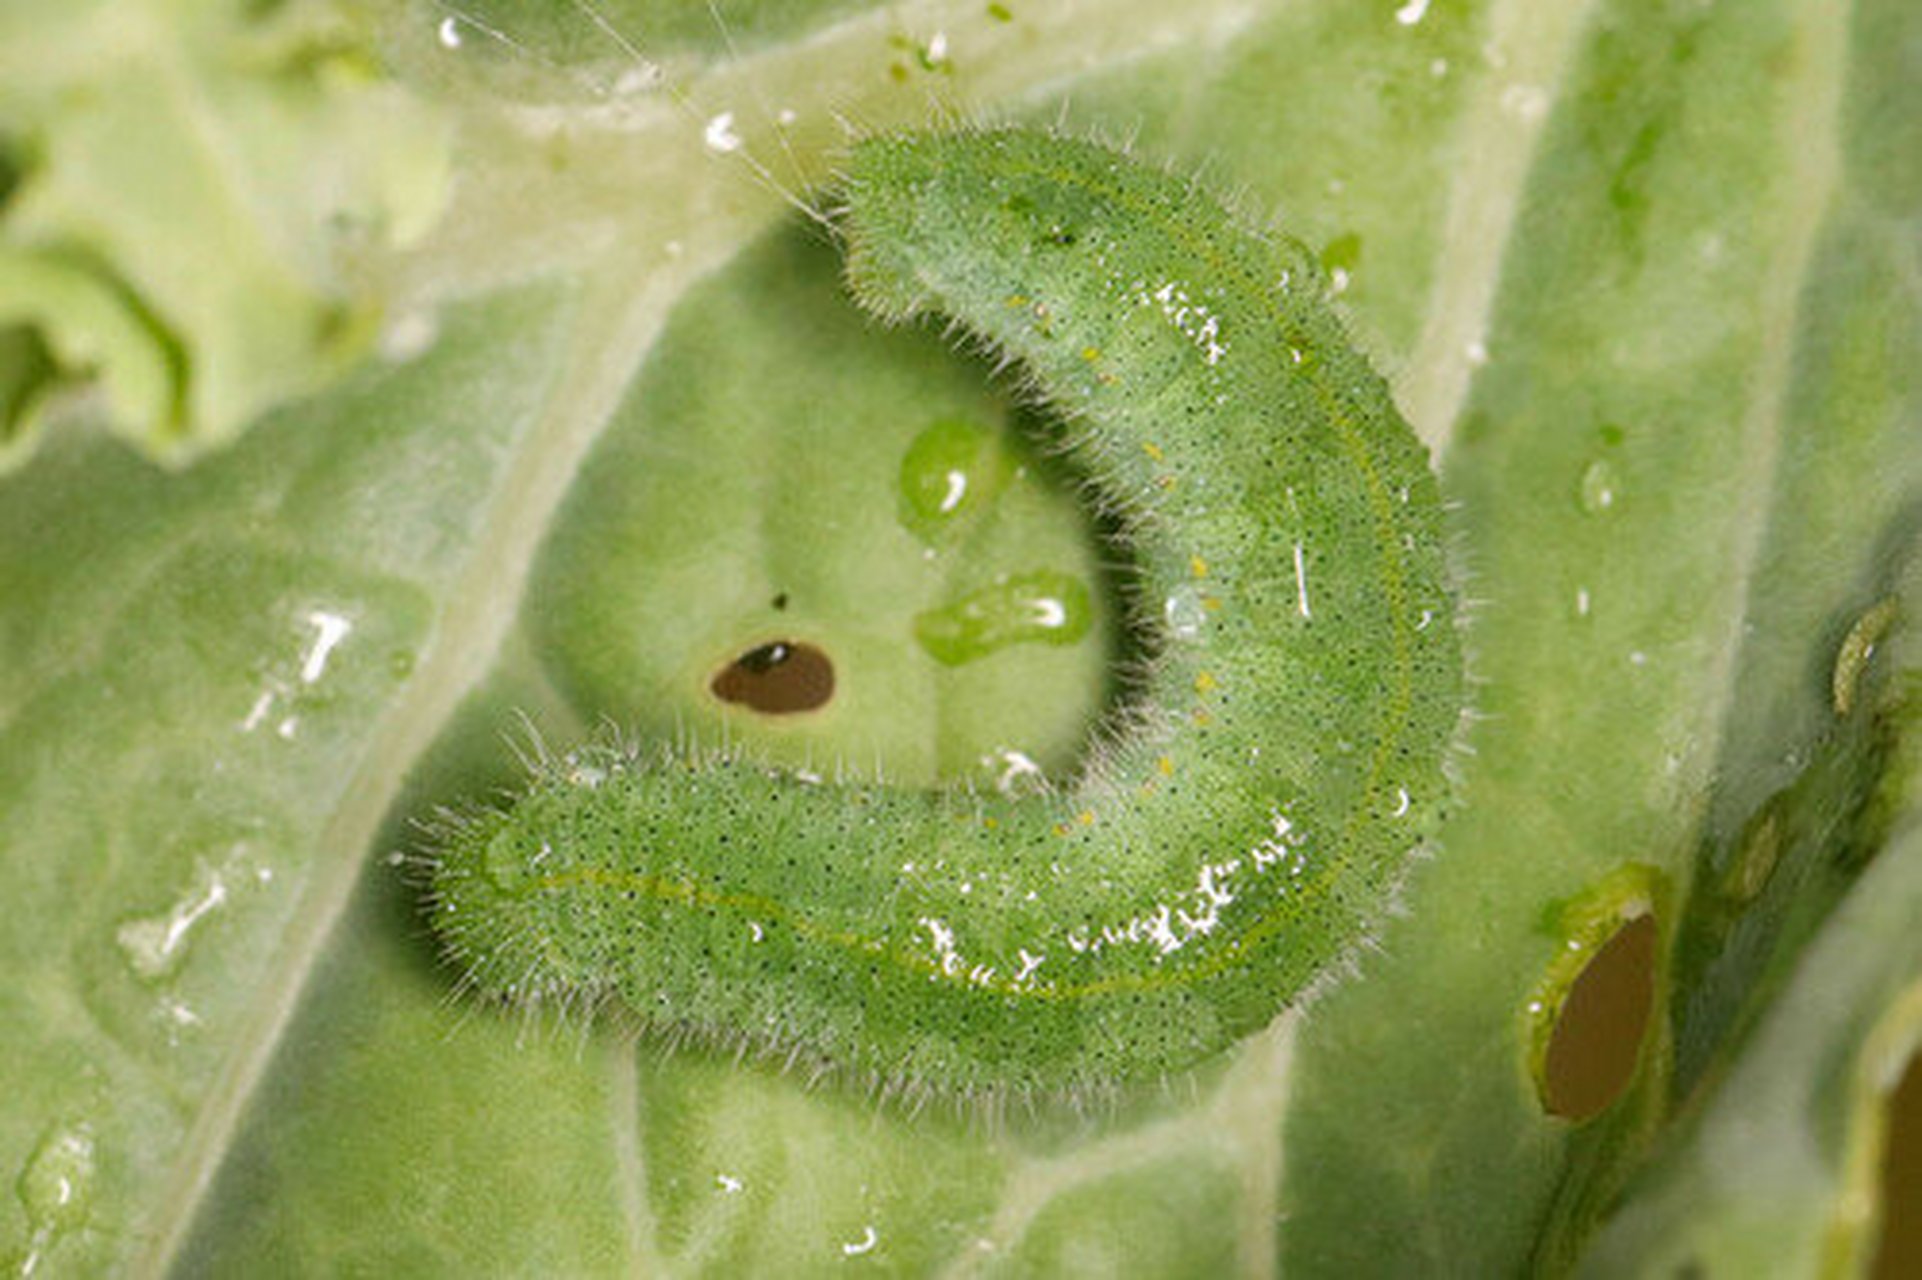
(1899, 1252)
(1599, 1029)
(782, 677)
(1590, 1011)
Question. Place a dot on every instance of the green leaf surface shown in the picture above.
(1647, 275)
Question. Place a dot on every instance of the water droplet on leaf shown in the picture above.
(950, 471)
(1600, 485)
(55, 1187)
(1043, 607)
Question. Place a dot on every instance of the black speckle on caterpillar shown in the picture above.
(1237, 837)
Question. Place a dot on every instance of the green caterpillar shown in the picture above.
(1262, 793)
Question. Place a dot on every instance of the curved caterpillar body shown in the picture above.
(1280, 763)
